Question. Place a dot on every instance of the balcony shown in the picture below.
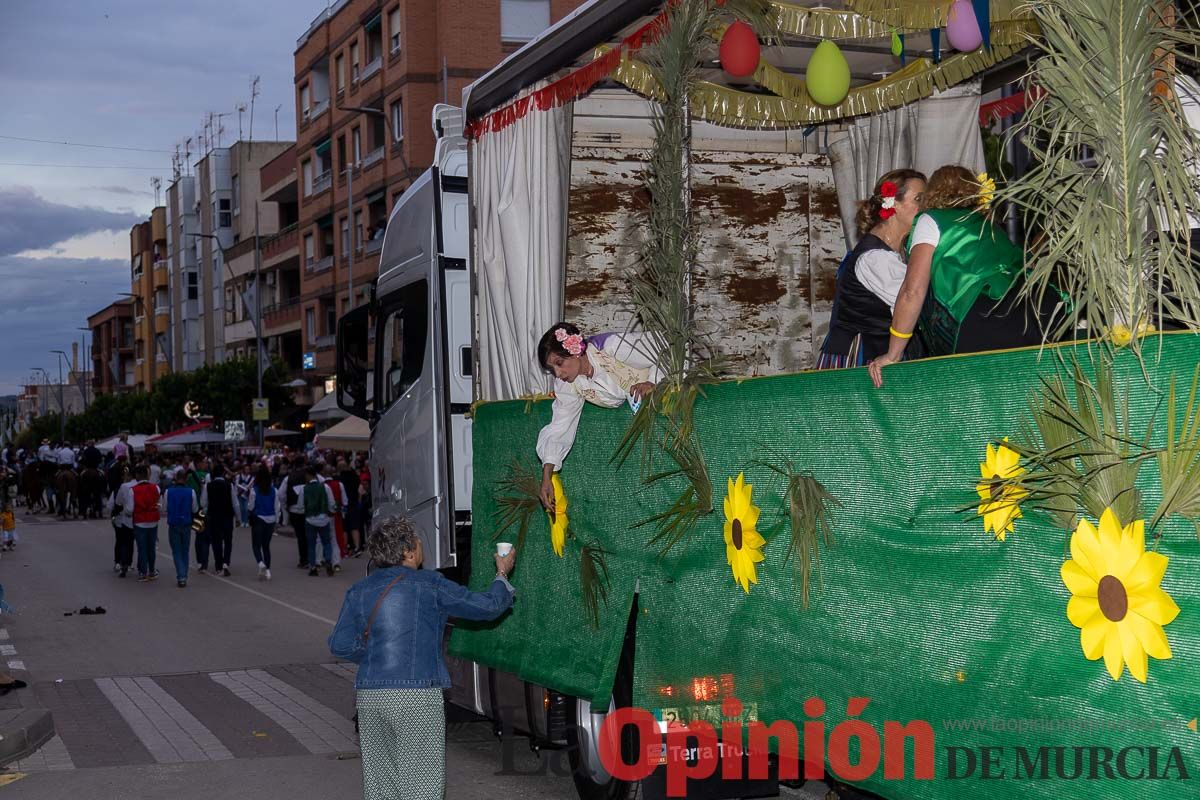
(277, 315)
(373, 66)
(323, 342)
(161, 279)
(322, 182)
(372, 157)
(139, 319)
(162, 311)
(318, 108)
(280, 243)
(319, 265)
(374, 246)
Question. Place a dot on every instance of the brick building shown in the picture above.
(398, 58)
(112, 348)
(149, 289)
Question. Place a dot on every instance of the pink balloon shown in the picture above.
(962, 27)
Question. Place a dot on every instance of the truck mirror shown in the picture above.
(353, 363)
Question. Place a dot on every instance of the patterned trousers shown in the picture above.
(402, 734)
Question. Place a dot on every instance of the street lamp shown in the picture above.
(62, 406)
(350, 192)
(258, 347)
(45, 387)
(88, 355)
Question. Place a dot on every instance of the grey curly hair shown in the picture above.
(392, 539)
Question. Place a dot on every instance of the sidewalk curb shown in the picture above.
(22, 731)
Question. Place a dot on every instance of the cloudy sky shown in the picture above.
(133, 79)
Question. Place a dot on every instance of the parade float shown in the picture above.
(995, 556)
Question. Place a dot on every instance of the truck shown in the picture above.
(899, 627)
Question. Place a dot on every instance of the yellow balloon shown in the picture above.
(828, 75)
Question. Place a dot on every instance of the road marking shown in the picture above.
(8, 650)
(16, 663)
(317, 728)
(3, 634)
(168, 730)
(347, 671)
(274, 600)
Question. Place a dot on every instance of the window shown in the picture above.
(523, 20)
(225, 218)
(357, 138)
(394, 29)
(342, 165)
(310, 323)
(378, 131)
(345, 236)
(397, 121)
(404, 339)
(331, 319)
(340, 70)
(305, 101)
(237, 194)
(306, 171)
(358, 230)
(354, 62)
(193, 286)
(310, 252)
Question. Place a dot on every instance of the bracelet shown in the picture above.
(898, 334)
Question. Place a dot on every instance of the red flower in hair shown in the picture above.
(887, 190)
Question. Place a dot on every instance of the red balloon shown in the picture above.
(740, 52)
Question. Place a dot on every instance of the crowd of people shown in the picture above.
(322, 497)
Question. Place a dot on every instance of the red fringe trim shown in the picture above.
(573, 85)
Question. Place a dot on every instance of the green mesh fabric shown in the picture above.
(915, 607)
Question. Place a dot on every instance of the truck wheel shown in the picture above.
(592, 780)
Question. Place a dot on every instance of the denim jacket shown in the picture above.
(404, 650)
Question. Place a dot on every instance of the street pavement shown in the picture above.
(223, 688)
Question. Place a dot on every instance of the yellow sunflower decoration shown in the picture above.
(558, 520)
(1116, 601)
(1000, 503)
(743, 545)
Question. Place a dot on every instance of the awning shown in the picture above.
(324, 146)
(279, 433)
(325, 221)
(326, 409)
(204, 423)
(375, 196)
(374, 22)
(136, 442)
(352, 433)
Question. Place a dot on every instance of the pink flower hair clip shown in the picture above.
(573, 344)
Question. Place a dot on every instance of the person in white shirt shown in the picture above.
(66, 456)
(608, 370)
(123, 528)
(44, 453)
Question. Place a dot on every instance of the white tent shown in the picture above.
(137, 442)
(352, 433)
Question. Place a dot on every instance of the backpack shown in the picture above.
(316, 501)
(145, 504)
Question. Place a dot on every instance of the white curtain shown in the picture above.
(941, 129)
(520, 186)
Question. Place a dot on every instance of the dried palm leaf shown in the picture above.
(518, 499)
(1179, 461)
(593, 581)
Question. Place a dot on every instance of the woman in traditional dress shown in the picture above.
(607, 370)
(871, 275)
(958, 295)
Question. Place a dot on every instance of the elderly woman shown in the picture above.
(392, 625)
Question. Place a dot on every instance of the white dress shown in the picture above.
(617, 365)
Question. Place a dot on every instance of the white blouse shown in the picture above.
(634, 365)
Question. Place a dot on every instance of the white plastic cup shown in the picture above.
(503, 548)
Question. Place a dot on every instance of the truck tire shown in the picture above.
(592, 781)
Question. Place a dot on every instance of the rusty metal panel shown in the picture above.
(771, 241)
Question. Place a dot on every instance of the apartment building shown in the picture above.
(112, 348)
(280, 264)
(149, 288)
(255, 220)
(187, 340)
(213, 208)
(368, 74)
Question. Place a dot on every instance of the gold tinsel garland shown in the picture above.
(926, 14)
(792, 108)
(842, 25)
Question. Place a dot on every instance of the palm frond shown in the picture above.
(593, 581)
(810, 514)
(517, 500)
(1109, 188)
(1179, 460)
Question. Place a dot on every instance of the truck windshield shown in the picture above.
(403, 338)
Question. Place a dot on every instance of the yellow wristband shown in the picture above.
(898, 334)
